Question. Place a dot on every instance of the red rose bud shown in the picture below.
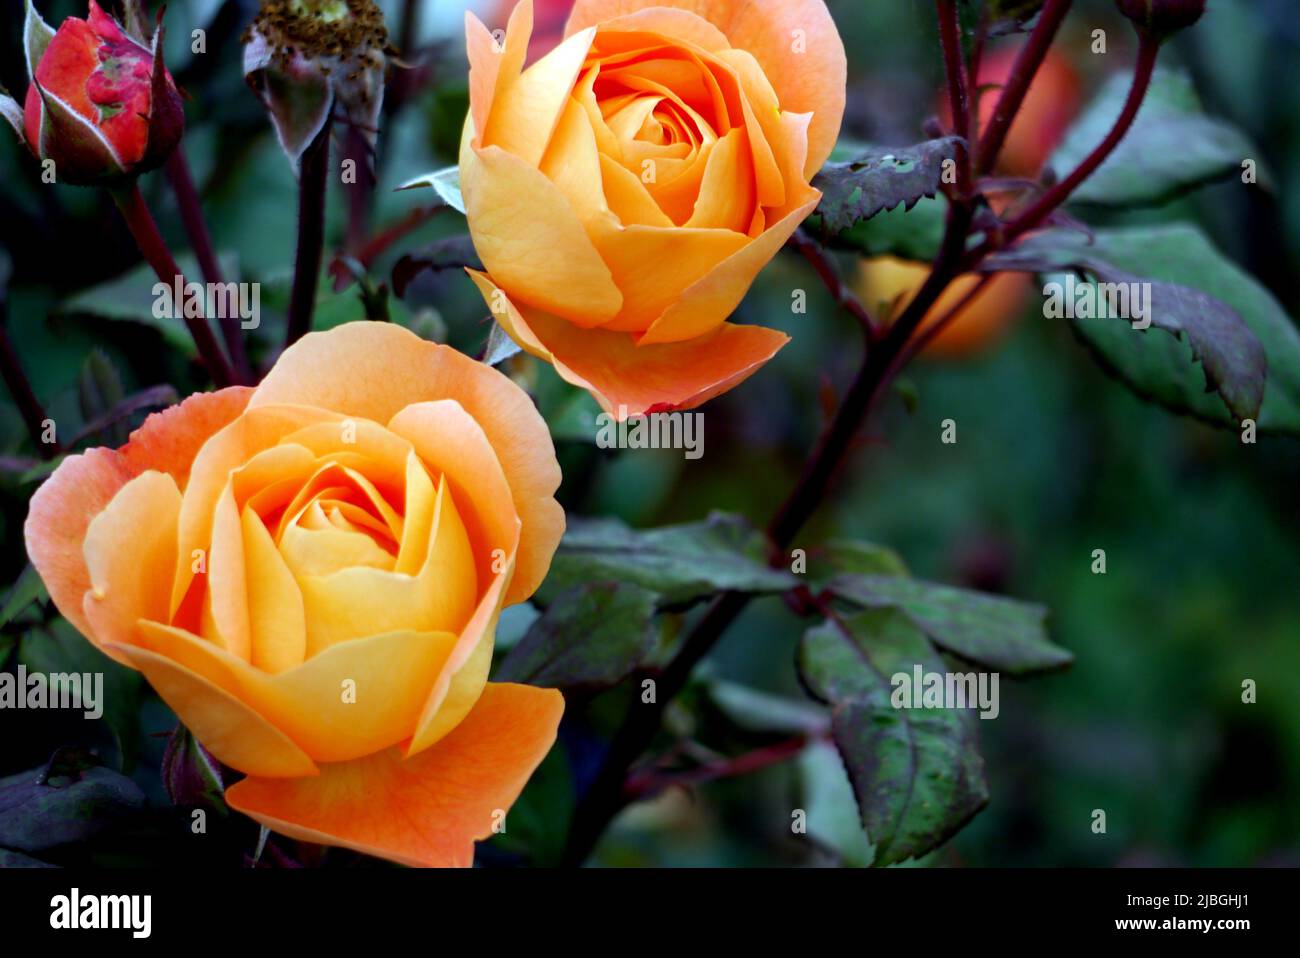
(304, 57)
(101, 104)
(1162, 17)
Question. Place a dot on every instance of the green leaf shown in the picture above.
(40, 810)
(862, 558)
(445, 182)
(917, 773)
(190, 775)
(37, 35)
(1171, 148)
(574, 418)
(591, 636)
(130, 297)
(758, 711)
(537, 825)
(99, 389)
(831, 807)
(27, 589)
(61, 648)
(1161, 368)
(1000, 633)
(680, 562)
(913, 234)
(880, 179)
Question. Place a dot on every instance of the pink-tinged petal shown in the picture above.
(427, 810)
(60, 512)
(130, 550)
(627, 379)
(62, 508)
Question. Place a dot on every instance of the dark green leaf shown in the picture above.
(537, 825)
(1160, 367)
(917, 773)
(908, 234)
(61, 648)
(1172, 146)
(832, 808)
(862, 558)
(28, 589)
(992, 630)
(759, 711)
(37, 812)
(880, 179)
(449, 253)
(681, 562)
(591, 636)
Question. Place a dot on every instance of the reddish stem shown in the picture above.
(312, 171)
(825, 269)
(187, 199)
(1028, 61)
(958, 95)
(1148, 48)
(652, 782)
(154, 249)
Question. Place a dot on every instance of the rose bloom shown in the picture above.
(100, 103)
(310, 574)
(624, 190)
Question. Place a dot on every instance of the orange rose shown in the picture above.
(624, 190)
(310, 574)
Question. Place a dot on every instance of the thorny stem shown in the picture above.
(312, 172)
(1028, 61)
(653, 781)
(375, 246)
(196, 228)
(154, 249)
(606, 796)
(825, 269)
(958, 94)
(608, 792)
(361, 192)
(926, 336)
(1148, 48)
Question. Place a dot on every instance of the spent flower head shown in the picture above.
(304, 57)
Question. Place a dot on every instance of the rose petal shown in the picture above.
(227, 727)
(352, 699)
(130, 550)
(426, 810)
(795, 41)
(627, 379)
(714, 296)
(375, 370)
